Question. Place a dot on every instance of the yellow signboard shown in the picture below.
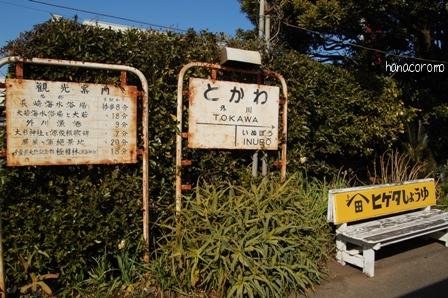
(357, 203)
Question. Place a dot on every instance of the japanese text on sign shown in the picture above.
(358, 203)
(50, 123)
(231, 115)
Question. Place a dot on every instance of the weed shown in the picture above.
(259, 239)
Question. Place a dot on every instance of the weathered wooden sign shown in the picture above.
(56, 123)
(357, 203)
(231, 115)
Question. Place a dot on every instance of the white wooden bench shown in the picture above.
(368, 218)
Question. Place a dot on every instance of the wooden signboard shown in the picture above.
(232, 115)
(64, 123)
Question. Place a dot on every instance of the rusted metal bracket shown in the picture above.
(277, 163)
(19, 70)
(259, 79)
(123, 78)
(186, 162)
(214, 74)
(186, 187)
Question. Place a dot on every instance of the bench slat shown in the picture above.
(428, 226)
(388, 229)
(367, 228)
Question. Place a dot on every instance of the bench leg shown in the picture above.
(369, 261)
(441, 236)
(341, 247)
(444, 237)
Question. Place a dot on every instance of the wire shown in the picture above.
(109, 16)
(26, 7)
(346, 43)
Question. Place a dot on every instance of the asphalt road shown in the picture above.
(414, 268)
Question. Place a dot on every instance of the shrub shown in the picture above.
(259, 239)
(337, 118)
(69, 219)
(75, 213)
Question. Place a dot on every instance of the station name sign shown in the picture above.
(62, 123)
(231, 115)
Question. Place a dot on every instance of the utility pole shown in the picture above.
(267, 26)
(264, 23)
(261, 20)
(260, 36)
(264, 32)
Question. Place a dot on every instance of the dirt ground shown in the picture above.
(414, 268)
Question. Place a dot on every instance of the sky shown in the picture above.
(215, 16)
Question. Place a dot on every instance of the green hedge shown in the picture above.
(71, 214)
(74, 213)
(336, 118)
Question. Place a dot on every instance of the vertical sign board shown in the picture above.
(357, 203)
(231, 115)
(58, 123)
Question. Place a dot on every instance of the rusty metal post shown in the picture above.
(2, 265)
(180, 83)
(284, 127)
(145, 150)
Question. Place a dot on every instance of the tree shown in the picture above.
(365, 36)
(330, 28)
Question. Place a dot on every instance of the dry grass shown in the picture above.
(393, 166)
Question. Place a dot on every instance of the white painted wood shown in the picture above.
(341, 247)
(341, 228)
(354, 251)
(444, 237)
(330, 208)
(356, 260)
(369, 262)
(423, 233)
(398, 226)
(372, 235)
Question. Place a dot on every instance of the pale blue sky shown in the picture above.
(214, 15)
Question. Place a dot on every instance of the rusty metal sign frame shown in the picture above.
(184, 135)
(144, 151)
